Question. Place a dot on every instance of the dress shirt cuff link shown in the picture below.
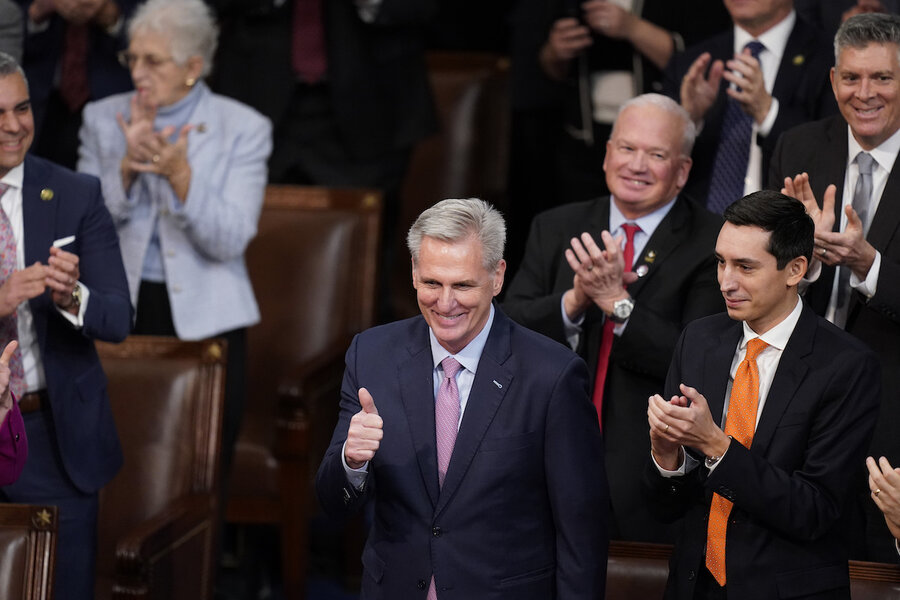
(572, 329)
(77, 321)
(765, 128)
(356, 477)
(869, 285)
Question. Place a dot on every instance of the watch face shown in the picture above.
(622, 309)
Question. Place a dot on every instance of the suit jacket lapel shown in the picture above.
(38, 214)
(417, 395)
(793, 62)
(717, 369)
(488, 390)
(792, 369)
(38, 225)
(667, 236)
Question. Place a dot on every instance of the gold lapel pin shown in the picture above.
(46, 194)
(799, 60)
(651, 256)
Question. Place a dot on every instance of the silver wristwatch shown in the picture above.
(622, 310)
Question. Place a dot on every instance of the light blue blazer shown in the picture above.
(203, 240)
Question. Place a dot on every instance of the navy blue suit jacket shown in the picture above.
(790, 488)
(522, 511)
(73, 205)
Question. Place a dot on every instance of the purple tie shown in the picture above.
(446, 421)
(730, 166)
(9, 326)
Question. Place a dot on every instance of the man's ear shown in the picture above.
(796, 270)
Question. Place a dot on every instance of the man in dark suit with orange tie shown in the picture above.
(766, 411)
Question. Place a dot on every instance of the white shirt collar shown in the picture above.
(778, 335)
(648, 223)
(774, 39)
(15, 176)
(884, 154)
(469, 356)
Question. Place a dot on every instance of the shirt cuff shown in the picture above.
(572, 329)
(356, 477)
(765, 128)
(688, 464)
(77, 321)
(869, 286)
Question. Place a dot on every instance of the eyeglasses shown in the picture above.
(130, 61)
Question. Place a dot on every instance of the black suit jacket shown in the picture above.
(802, 88)
(517, 516)
(376, 71)
(820, 149)
(680, 286)
(790, 488)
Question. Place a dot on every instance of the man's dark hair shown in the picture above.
(784, 217)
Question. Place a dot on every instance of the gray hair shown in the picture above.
(688, 128)
(189, 24)
(9, 66)
(865, 29)
(456, 219)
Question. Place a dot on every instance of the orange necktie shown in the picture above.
(740, 424)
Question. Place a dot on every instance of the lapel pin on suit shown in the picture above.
(46, 194)
(651, 256)
(497, 383)
(799, 60)
(641, 270)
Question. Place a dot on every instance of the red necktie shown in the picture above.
(73, 80)
(740, 424)
(308, 56)
(606, 339)
(9, 325)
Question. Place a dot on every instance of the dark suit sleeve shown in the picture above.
(335, 493)
(671, 497)
(108, 314)
(576, 482)
(531, 299)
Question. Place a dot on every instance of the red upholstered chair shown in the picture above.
(27, 551)
(158, 519)
(313, 268)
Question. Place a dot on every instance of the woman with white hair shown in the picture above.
(183, 172)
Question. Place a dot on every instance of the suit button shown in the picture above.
(691, 575)
(436, 532)
(421, 584)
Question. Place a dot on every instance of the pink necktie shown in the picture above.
(9, 326)
(606, 339)
(446, 421)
